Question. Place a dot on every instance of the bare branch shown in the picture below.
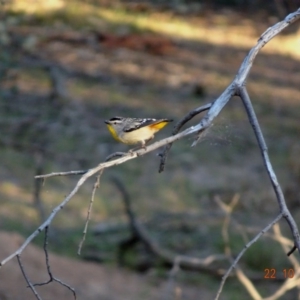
(264, 152)
(233, 265)
(176, 129)
(80, 182)
(292, 250)
(51, 277)
(281, 239)
(96, 186)
(78, 172)
(289, 282)
(244, 70)
(54, 174)
(246, 282)
(185, 262)
(228, 209)
(262, 41)
(27, 279)
(47, 259)
(278, 238)
(288, 285)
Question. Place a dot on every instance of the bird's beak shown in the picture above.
(106, 122)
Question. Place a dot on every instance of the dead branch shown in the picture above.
(289, 282)
(228, 209)
(140, 234)
(288, 285)
(176, 129)
(96, 186)
(51, 277)
(27, 279)
(233, 265)
(264, 152)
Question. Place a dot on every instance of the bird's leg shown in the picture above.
(143, 143)
(137, 148)
(131, 151)
(143, 146)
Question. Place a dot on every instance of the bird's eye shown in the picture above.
(115, 123)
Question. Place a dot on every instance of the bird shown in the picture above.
(132, 131)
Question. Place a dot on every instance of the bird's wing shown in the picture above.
(139, 123)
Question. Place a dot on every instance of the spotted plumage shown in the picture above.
(135, 130)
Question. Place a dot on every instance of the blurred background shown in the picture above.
(66, 66)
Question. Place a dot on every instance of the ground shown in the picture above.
(91, 281)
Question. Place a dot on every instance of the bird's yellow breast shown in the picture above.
(113, 132)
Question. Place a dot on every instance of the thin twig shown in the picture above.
(51, 277)
(290, 282)
(246, 282)
(66, 285)
(292, 250)
(288, 285)
(47, 259)
(27, 279)
(233, 265)
(96, 186)
(228, 209)
(280, 239)
(79, 172)
(176, 129)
